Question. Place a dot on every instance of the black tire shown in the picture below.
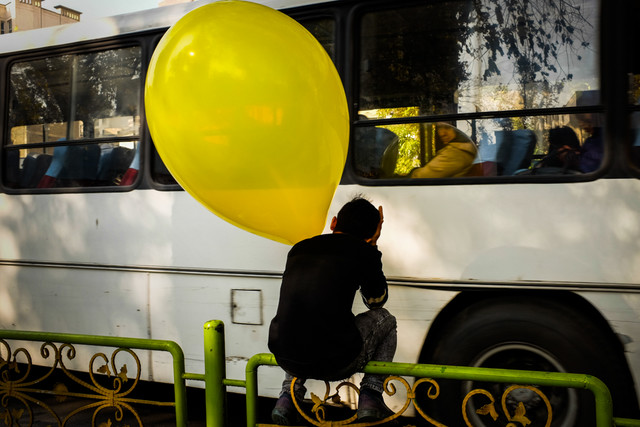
(531, 333)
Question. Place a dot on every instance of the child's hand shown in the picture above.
(374, 240)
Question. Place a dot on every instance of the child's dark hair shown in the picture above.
(359, 218)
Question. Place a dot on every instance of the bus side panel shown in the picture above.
(143, 228)
(622, 311)
(182, 304)
(76, 301)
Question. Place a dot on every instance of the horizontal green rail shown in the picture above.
(626, 422)
(604, 414)
(216, 382)
(179, 384)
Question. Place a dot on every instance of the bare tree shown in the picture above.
(542, 39)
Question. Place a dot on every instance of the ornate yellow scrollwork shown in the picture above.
(519, 416)
(319, 404)
(110, 386)
(516, 418)
(432, 393)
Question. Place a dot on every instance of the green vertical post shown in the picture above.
(251, 374)
(604, 403)
(179, 383)
(214, 374)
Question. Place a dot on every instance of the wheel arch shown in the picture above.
(467, 299)
(570, 301)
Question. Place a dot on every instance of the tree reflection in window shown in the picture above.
(57, 102)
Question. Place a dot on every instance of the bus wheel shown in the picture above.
(529, 333)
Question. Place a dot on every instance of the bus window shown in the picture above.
(74, 120)
(324, 30)
(420, 64)
(159, 172)
(564, 144)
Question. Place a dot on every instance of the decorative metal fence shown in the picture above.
(26, 389)
(110, 384)
(427, 374)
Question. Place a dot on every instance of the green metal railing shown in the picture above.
(104, 397)
(604, 415)
(215, 380)
(603, 402)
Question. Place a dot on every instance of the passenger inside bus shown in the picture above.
(72, 166)
(76, 165)
(12, 168)
(370, 146)
(33, 168)
(131, 174)
(514, 151)
(589, 126)
(563, 155)
(114, 163)
(48, 180)
(455, 153)
(564, 148)
(592, 149)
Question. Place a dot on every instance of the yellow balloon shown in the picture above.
(248, 113)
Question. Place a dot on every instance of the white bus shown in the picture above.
(528, 258)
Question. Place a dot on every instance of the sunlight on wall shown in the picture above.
(8, 246)
(7, 308)
(551, 232)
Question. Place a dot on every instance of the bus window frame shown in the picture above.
(624, 46)
(350, 176)
(6, 62)
(347, 19)
(150, 148)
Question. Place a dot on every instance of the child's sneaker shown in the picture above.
(371, 406)
(285, 412)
